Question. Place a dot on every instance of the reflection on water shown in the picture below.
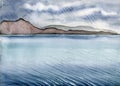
(60, 60)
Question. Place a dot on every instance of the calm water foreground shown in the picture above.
(60, 60)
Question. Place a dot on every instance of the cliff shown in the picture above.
(18, 27)
(22, 26)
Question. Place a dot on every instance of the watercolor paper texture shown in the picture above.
(59, 42)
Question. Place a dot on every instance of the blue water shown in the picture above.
(60, 60)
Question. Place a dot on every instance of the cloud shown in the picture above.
(92, 11)
(1, 3)
(49, 19)
(95, 13)
(55, 7)
(77, 7)
(105, 13)
(81, 14)
(40, 6)
(44, 19)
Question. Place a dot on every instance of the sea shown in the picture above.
(60, 60)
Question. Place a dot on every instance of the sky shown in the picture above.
(102, 14)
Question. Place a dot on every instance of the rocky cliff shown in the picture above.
(22, 26)
(18, 27)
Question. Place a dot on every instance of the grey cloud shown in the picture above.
(14, 9)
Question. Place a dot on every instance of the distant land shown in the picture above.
(23, 27)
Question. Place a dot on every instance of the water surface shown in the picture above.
(60, 60)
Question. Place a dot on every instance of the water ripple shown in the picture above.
(60, 75)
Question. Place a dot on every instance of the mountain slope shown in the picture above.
(88, 28)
